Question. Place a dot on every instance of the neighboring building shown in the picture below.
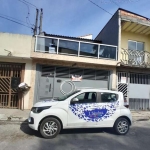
(57, 60)
(88, 36)
(15, 67)
(131, 33)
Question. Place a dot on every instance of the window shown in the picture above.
(87, 97)
(107, 52)
(134, 45)
(87, 49)
(46, 45)
(136, 52)
(68, 47)
(109, 97)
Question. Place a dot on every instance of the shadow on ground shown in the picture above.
(87, 130)
(25, 128)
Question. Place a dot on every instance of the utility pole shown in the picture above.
(41, 19)
(36, 22)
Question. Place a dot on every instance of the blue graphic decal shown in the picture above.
(96, 113)
(93, 111)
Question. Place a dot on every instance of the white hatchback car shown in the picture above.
(86, 108)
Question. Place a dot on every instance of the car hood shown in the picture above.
(49, 102)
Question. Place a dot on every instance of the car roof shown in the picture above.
(97, 90)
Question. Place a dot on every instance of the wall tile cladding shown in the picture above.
(124, 13)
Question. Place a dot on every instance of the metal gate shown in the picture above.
(123, 83)
(9, 74)
(136, 89)
(53, 81)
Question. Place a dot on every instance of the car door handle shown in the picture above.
(50, 87)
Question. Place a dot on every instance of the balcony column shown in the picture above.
(113, 79)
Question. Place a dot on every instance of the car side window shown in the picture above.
(87, 97)
(108, 97)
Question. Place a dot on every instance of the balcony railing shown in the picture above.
(74, 47)
(135, 58)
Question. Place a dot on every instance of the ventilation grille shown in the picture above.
(66, 72)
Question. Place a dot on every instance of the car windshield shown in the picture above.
(66, 96)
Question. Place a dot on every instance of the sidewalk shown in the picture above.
(19, 116)
(13, 115)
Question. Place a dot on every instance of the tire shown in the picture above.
(50, 128)
(121, 126)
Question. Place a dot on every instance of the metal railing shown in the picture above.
(78, 48)
(135, 58)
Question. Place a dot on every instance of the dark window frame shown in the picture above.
(100, 98)
(97, 100)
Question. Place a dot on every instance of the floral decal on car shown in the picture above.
(93, 111)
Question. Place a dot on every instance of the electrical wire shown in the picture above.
(16, 22)
(114, 3)
(30, 3)
(12, 18)
(100, 7)
(28, 14)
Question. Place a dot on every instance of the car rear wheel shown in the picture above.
(121, 126)
(50, 128)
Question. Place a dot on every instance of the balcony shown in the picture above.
(69, 47)
(135, 58)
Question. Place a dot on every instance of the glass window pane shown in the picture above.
(88, 97)
(140, 46)
(68, 47)
(89, 49)
(107, 52)
(132, 45)
(47, 45)
(109, 97)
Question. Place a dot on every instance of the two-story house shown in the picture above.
(131, 33)
(62, 64)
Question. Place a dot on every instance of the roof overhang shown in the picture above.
(134, 27)
(134, 23)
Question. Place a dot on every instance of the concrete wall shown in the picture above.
(110, 33)
(73, 59)
(125, 36)
(19, 45)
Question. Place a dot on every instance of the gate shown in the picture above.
(136, 89)
(10, 75)
(123, 83)
(53, 82)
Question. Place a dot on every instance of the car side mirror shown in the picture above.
(74, 100)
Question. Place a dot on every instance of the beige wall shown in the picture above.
(27, 76)
(125, 36)
(74, 59)
(19, 45)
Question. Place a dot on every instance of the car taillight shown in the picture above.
(126, 104)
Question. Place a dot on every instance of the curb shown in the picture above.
(5, 122)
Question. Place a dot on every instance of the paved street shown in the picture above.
(16, 137)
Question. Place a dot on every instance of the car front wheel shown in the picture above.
(50, 128)
(121, 126)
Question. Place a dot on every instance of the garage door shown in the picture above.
(55, 81)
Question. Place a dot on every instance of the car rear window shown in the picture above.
(109, 97)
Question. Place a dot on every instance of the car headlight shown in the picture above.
(39, 109)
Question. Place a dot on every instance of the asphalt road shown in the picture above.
(16, 137)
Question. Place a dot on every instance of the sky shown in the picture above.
(66, 17)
